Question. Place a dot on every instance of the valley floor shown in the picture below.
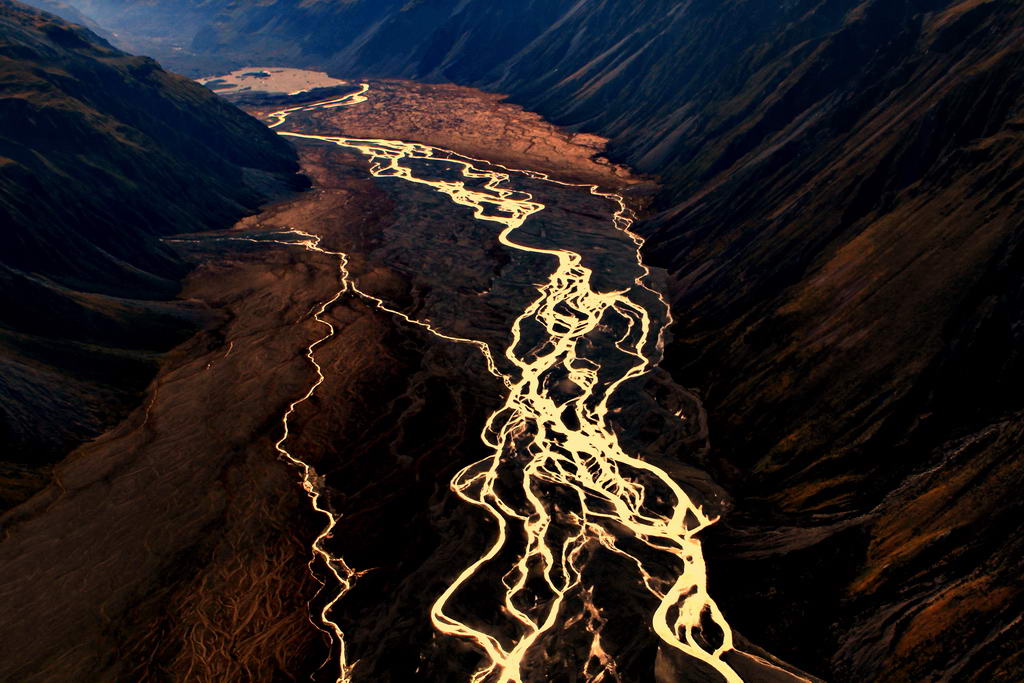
(175, 546)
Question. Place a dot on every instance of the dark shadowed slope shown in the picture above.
(100, 154)
(849, 281)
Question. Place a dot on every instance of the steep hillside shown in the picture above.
(841, 219)
(847, 256)
(101, 153)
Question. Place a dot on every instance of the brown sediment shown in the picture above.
(244, 616)
(476, 124)
(175, 537)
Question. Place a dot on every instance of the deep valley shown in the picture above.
(471, 341)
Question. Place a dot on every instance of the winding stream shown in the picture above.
(557, 483)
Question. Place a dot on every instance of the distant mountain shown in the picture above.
(841, 219)
(71, 14)
(101, 153)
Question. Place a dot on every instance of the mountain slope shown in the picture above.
(101, 153)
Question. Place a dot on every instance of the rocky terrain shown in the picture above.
(100, 154)
(842, 183)
(191, 537)
(840, 222)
